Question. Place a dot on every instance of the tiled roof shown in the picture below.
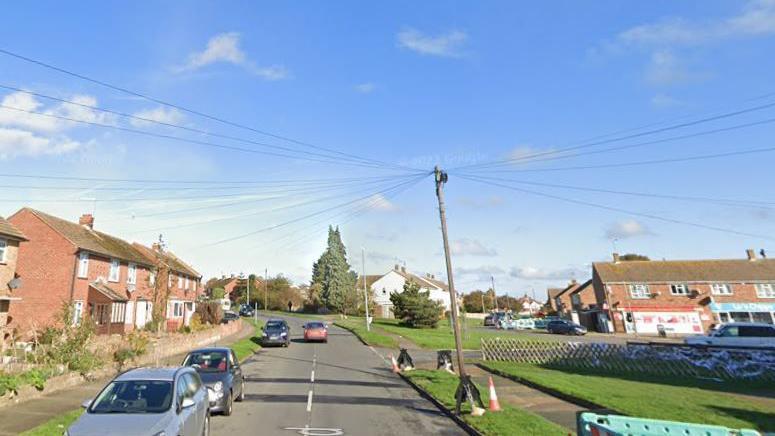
(370, 279)
(730, 270)
(572, 286)
(219, 283)
(553, 292)
(104, 289)
(169, 259)
(582, 287)
(92, 240)
(422, 281)
(7, 229)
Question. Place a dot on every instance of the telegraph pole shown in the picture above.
(266, 288)
(494, 294)
(365, 292)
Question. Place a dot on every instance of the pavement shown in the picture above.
(341, 387)
(29, 414)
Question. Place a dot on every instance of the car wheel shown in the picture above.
(241, 396)
(229, 405)
(206, 427)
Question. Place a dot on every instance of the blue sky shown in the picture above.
(408, 83)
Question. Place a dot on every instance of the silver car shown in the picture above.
(148, 401)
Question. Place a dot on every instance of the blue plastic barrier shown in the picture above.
(593, 424)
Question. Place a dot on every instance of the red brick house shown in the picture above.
(562, 300)
(10, 239)
(684, 296)
(584, 305)
(104, 277)
(172, 276)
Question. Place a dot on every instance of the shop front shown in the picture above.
(650, 320)
(743, 312)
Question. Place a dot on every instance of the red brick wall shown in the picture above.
(46, 265)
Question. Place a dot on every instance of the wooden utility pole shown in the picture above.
(266, 288)
(365, 291)
(441, 179)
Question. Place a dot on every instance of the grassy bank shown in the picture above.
(375, 337)
(674, 400)
(440, 337)
(246, 347)
(511, 421)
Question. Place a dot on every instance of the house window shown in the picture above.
(83, 265)
(176, 309)
(152, 278)
(720, 289)
(131, 274)
(100, 315)
(575, 300)
(765, 290)
(679, 289)
(3, 249)
(180, 282)
(186, 283)
(114, 270)
(77, 312)
(169, 279)
(118, 313)
(640, 291)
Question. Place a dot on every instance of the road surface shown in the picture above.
(338, 388)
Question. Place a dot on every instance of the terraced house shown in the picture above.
(685, 296)
(10, 282)
(104, 277)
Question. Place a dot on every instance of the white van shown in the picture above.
(737, 334)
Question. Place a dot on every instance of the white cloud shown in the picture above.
(481, 271)
(16, 142)
(225, 48)
(159, 114)
(445, 45)
(41, 123)
(665, 101)
(523, 153)
(534, 273)
(471, 247)
(365, 88)
(626, 229)
(380, 203)
(666, 69)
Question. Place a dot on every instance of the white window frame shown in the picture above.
(117, 313)
(131, 274)
(186, 287)
(715, 289)
(3, 249)
(180, 282)
(152, 277)
(175, 309)
(169, 279)
(675, 286)
(83, 265)
(115, 271)
(639, 291)
(101, 313)
(77, 312)
(765, 290)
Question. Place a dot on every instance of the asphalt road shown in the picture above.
(338, 388)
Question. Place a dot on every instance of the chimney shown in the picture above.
(403, 269)
(433, 276)
(763, 253)
(156, 246)
(87, 220)
(395, 267)
(751, 254)
(616, 257)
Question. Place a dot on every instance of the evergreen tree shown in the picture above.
(414, 307)
(334, 276)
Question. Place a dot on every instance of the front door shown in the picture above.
(141, 312)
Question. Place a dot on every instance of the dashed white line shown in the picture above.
(309, 401)
(312, 376)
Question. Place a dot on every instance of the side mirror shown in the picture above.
(86, 403)
(187, 402)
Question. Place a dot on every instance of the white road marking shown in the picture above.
(309, 401)
(307, 431)
(312, 377)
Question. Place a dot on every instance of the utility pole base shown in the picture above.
(467, 390)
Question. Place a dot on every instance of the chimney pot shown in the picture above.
(403, 269)
(87, 220)
(616, 257)
(751, 254)
(395, 267)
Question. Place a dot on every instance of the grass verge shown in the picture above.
(441, 338)
(246, 347)
(442, 385)
(651, 399)
(374, 337)
(55, 426)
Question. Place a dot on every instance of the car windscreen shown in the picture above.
(209, 361)
(274, 326)
(315, 325)
(134, 396)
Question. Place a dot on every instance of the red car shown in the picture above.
(315, 331)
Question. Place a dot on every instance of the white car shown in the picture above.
(737, 334)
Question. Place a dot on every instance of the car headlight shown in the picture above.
(218, 387)
(161, 433)
(283, 334)
(264, 334)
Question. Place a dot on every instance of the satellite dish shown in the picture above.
(15, 283)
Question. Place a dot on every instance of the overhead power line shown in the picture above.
(194, 182)
(183, 108)
(620, 210)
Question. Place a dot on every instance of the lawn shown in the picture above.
(375, 337)
(510, 421)
(55, 426)
(440, 338)
(677, 400)
(246, 347)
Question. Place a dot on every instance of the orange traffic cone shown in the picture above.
(495, 406)
(396, 369)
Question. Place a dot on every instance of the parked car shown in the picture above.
(148, 401)
(565, 327)
(541, 323)
(489, 320)
(737, 334)
(246, 310)
(229, 316)
(276, 332)
(315, 331)
(220, 371)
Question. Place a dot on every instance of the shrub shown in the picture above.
(9, 383)
(196, 323)
(209, 312)
(138, 342)
(68, 345)
(415, 308)
(122, 355)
